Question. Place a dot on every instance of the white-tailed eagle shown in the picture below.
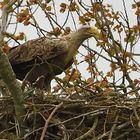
(46, 57)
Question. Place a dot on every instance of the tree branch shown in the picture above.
(48, 120)
(8, 75)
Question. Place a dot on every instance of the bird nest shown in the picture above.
(74, 118)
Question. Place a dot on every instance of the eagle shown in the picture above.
(39, 60)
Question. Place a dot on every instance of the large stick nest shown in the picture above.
(78, 117)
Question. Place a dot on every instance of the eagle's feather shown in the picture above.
(43, 48)
(47, 57)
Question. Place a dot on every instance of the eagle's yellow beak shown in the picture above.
(94, 32)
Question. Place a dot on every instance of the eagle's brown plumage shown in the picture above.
(47, 57)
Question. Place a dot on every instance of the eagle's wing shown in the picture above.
(45, 48)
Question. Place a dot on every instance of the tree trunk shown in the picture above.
(9, 78)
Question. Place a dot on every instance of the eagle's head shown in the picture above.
(89, 31)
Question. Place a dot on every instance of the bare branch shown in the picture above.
(48, 120)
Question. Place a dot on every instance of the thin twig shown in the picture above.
(90, 132)
(4, 18)
(94, 113)
(113, 128)
(48, 120)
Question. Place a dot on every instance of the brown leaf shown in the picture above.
(63, 7)
(82, 20)
(137, 12)
(73, 6)
(48, 8)
(6, 49)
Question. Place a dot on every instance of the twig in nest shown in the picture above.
(95, 113)
(137, 116)
(90, 132)
(113, 128)
(117, 128)
(48, 120)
